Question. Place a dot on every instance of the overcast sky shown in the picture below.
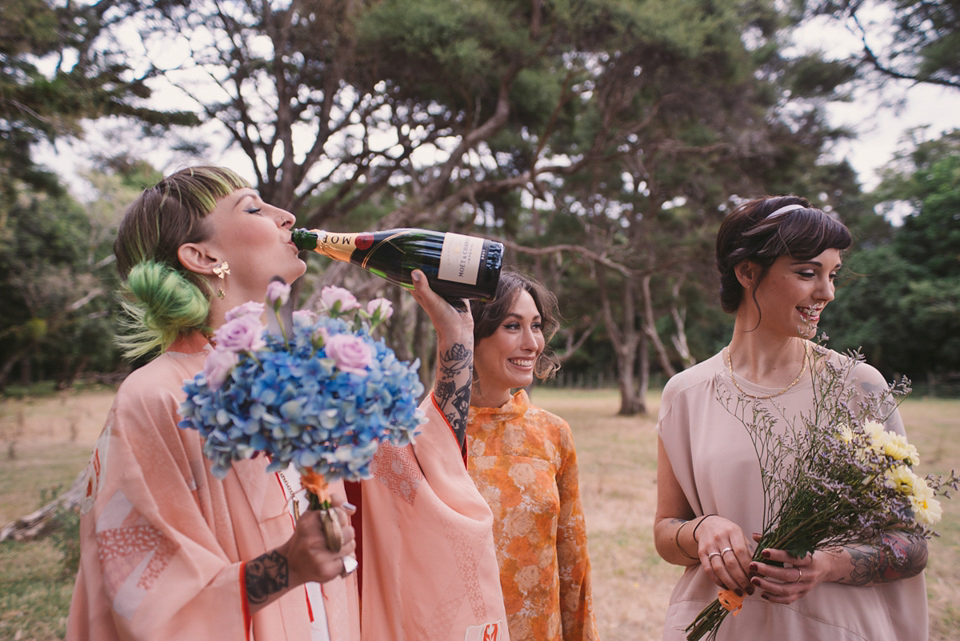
(872, 115)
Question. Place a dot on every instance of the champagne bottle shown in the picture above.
(457, 266)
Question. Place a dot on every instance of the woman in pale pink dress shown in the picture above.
(778, 258)
(168, 551)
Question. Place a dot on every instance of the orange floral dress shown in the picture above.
(523, 462)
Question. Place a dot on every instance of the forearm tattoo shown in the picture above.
(265, 576)
(903, 556)
(454, 373)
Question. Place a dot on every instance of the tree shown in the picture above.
(81, 83)
(56, 278)
(904, 309)
(923, 36)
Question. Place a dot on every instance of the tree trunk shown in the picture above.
(644, 375)
(624, 337)
(36, 524)
(679, 339)
(650, 327)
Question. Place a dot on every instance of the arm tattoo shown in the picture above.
(900, 556)
(452, 391)
(266, 575)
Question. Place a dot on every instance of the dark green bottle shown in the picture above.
(457, 266)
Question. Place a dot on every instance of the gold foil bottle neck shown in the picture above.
(336, 245)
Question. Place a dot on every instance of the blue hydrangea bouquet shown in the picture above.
(315, 390)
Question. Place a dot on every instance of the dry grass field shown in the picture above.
(44, 443)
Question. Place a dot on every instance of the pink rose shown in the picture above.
(350, 352)
(218, 365)
(304, 317)
(240, 334)
(331, 295)
(278, 293)
(380, 309)
(249, 308)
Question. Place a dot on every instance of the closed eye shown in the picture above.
(252, 210)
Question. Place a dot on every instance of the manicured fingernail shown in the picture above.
(755, 581)
(738, 592)
(765, 596)
(415, 276)
(765, 554)
(750, 590)
(754, 567)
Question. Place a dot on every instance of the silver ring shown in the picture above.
(799, 575)
(725, 550)
(713, 554)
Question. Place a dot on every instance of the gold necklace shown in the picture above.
(296, 506)
(803, 368)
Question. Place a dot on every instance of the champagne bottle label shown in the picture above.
(460, 258)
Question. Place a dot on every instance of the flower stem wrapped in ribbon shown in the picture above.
(832, 477)
(312, 390)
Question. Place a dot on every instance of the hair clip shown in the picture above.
(783, 210)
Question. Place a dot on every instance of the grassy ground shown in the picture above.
(50, 440)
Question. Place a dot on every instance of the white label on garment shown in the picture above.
(495, 631)
(460, 258)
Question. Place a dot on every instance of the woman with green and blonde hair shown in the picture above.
(169, 551)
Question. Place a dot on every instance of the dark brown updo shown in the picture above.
(749, 233)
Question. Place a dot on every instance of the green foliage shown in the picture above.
(904, 304)
(35, 103)
(57, 289)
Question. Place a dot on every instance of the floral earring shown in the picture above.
(221, 270)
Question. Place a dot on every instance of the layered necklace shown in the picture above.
(803, 368)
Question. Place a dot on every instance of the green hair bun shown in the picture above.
(161, 304)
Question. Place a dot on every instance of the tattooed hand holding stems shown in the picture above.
(303, 558)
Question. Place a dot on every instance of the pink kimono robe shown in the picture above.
(164, 542)
(429, 564)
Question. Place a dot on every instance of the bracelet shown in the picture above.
(676, 539)
(704, 518)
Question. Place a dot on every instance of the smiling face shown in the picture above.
(794, 292)
(506, 359)
(254, 238)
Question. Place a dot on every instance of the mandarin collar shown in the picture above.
(513, 408)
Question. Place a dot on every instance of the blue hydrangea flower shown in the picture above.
(290, 401)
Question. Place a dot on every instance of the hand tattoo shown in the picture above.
(452, 390)
(266, 575)
(900, 556)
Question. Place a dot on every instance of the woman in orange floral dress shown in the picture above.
(523, 461)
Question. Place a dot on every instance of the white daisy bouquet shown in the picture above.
(315, 390)
(832, 477)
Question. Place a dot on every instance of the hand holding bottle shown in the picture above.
(454, 325)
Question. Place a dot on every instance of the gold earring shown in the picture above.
(221, 270)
